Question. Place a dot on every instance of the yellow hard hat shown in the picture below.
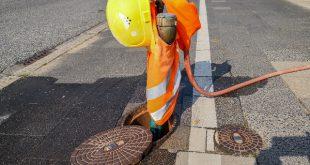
(130, 22)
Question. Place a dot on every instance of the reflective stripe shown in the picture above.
(158, 115)
(161, 89)
(177, 82)
(156, 91)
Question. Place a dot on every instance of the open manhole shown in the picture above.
(121, 145)
(238, 140)
(140, 116)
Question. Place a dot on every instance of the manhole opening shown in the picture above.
(140, 116)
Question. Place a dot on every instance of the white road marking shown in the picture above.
(218, 1)
(203, 109)
(221, 8)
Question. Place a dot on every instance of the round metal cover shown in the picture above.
(238, 139)
(121, 145)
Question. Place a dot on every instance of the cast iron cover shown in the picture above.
(121, 145)
(238, 140)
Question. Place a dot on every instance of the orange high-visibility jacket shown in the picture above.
(163, 72)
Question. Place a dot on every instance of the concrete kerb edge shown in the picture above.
(58, 51)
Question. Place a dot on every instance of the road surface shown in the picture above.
(30, 26)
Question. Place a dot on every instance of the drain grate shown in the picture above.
(121, 145)
(238, 139)
(35, 57)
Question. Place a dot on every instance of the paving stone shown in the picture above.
(237, 160)
(178, 140)
(210, 140)
(197, 139)
(186, 158)
(203, 112)
(291, 64)
(299, 85)
(159, 156)
(302, 3)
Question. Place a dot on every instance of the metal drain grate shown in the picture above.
(35, 57)
(121, 145)
(238, 140)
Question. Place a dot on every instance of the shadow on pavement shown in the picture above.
(220, 81)
(285, 146)
(43, 120)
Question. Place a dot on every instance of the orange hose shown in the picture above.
(234, 87)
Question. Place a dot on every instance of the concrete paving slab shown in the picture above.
(188, 158)
(302, 3)
(191, 158)
(237, 160)
(203, 112)
(291, 64)
(205, 83)
(299, 85)
(197, 139)
(210, 140)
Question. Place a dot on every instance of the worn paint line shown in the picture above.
(203, 109)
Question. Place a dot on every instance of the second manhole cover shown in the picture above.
(238, 140)
(121, 145)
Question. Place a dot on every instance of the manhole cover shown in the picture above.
(121, 145)
(238, 139)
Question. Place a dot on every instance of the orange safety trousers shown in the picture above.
(163, 72)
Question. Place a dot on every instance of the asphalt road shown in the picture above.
(30, 26)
